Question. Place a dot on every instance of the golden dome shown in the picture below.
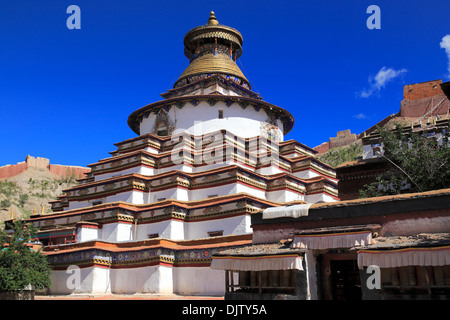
(210, 63)
(212, 48)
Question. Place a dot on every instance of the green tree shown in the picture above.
(20, 266)
(418, 163)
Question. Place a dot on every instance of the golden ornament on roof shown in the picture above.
(212, 49)
(212, 21)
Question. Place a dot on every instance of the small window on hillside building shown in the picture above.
(220, 114)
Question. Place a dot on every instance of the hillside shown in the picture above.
(35, 185)
(337, 156)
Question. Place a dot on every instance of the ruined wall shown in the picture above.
(324, 147)
(12, 170)
(39, 163)
(343, 138)
(68, 171)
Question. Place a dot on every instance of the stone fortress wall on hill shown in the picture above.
(39, 163)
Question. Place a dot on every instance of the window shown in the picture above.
(377, 151)
(270, 281)
(215, 233)
(163, 133)
(410, 281)
(220, 114)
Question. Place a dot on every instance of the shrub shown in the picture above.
(5, 203)
(21, 267)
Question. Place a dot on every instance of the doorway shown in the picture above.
(345, 280)
(340, 277)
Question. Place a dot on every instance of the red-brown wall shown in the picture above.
(422, 90)
(12, 170)
(62, 171)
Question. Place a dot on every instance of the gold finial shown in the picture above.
(12, 214)
(212, 21)
(42, 209)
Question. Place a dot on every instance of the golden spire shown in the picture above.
(212, 48)
(212, 21)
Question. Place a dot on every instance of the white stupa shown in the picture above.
(148, 218)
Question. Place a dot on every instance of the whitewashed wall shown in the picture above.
(306, 174)
(203, 281)
(135, 197)
(117, 232)
(169, 229)
(203, 118)
(88, 234)
(161, 280)
(139, 170)
(314, 198)
(234, 225)
(92, 280)
(269, 170)
(150, 279)
(284, 196)
(179, 230)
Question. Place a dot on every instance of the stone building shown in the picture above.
(391, 247)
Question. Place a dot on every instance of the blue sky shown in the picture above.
(66, 94)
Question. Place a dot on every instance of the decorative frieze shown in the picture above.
(128, 258)
(106, 188)
(186, 150)
(193, 181)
